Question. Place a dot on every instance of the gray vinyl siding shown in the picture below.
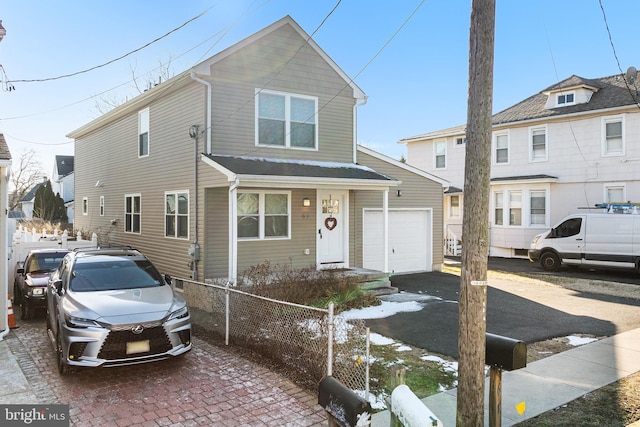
(254, 252)
(267, 64)
(417, 192)
(169, 167)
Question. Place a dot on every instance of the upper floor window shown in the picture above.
(501, 147)
(176, 214)
(454, 207)
(538, 147)
(85, 206)
(143, 133)
(101, 205)
(263, 215)
(132, 213)
(565, 98)
(286, 120)
(613, 136)
(440, 155)
(461, 140)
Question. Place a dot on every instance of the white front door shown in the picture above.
(332, 227)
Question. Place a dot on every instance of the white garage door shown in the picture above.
(409, 240)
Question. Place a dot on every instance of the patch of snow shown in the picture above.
(378, 339)
(578, 341)
(386, 309)
(376, 401)
(446, 365)
(402, 347)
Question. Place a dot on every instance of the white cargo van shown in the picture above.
(595, 239)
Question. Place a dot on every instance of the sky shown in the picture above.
(409, 56)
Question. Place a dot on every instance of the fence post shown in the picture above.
(330, 341)
(79, 235)
(94, 240)
(226, 314)
(65, 239)
(366, 368)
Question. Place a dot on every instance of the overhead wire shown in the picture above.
(115, 59)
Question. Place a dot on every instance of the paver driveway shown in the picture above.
(208, 386)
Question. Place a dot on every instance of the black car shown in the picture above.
(31, 279)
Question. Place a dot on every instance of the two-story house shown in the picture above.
(252, 156)
(62, 182)
(570, 146)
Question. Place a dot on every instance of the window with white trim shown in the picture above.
(613, 136)
(143, 133)
(440, 155)
(615, 193)
(85, 206)
(101, 205)
(515, 208)
(286, 120)
(566, 99)
(454, 207)
(264, 215)
(538, 144)
(538, 207)
(461, 140)
(501, 148)
(498, 211)
(176, 214)
(132, 213)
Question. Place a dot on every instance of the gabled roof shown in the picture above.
(32, 193)
(204, 67)
(258, 170)
(612, 92)
(64, 165)
(5, 154)
(608, 93)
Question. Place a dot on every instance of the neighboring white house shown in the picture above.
(570, 146)
(62, 182)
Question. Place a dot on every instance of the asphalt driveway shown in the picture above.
(529, 313)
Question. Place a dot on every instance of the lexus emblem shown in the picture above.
(137, 329)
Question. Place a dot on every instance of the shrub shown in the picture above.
(306, 286)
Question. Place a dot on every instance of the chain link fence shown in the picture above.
(310, 340)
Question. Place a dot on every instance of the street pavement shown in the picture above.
(208, 386)
(516, 309)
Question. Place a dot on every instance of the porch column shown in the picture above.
(385, 228)
(233, 231)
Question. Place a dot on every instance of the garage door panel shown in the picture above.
(408, 240)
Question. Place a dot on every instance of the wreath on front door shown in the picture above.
(330, 223)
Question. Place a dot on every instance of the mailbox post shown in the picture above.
(501, 353)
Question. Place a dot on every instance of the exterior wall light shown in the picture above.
(306, 202)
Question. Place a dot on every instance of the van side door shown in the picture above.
(569, 239)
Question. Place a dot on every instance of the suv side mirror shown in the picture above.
(57, 284)
(168, 279)
(20, 270)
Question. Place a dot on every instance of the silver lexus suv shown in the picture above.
(111, 307)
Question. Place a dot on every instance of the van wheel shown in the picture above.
(550, 261)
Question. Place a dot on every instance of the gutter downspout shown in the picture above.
(208, 108)
(233, 230)
(360, 102)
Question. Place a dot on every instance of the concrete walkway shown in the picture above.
(549, 383)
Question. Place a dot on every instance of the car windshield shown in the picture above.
(114, 274)
(45, 261)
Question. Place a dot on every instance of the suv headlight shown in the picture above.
(180, 313)
(79, 322)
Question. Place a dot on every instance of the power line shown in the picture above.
(113, 60)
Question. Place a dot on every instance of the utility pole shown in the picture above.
(475, 228)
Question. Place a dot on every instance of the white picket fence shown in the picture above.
(25, 240)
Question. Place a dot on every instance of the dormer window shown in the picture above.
(566, 99)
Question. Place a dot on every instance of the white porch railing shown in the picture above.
(452, 243)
